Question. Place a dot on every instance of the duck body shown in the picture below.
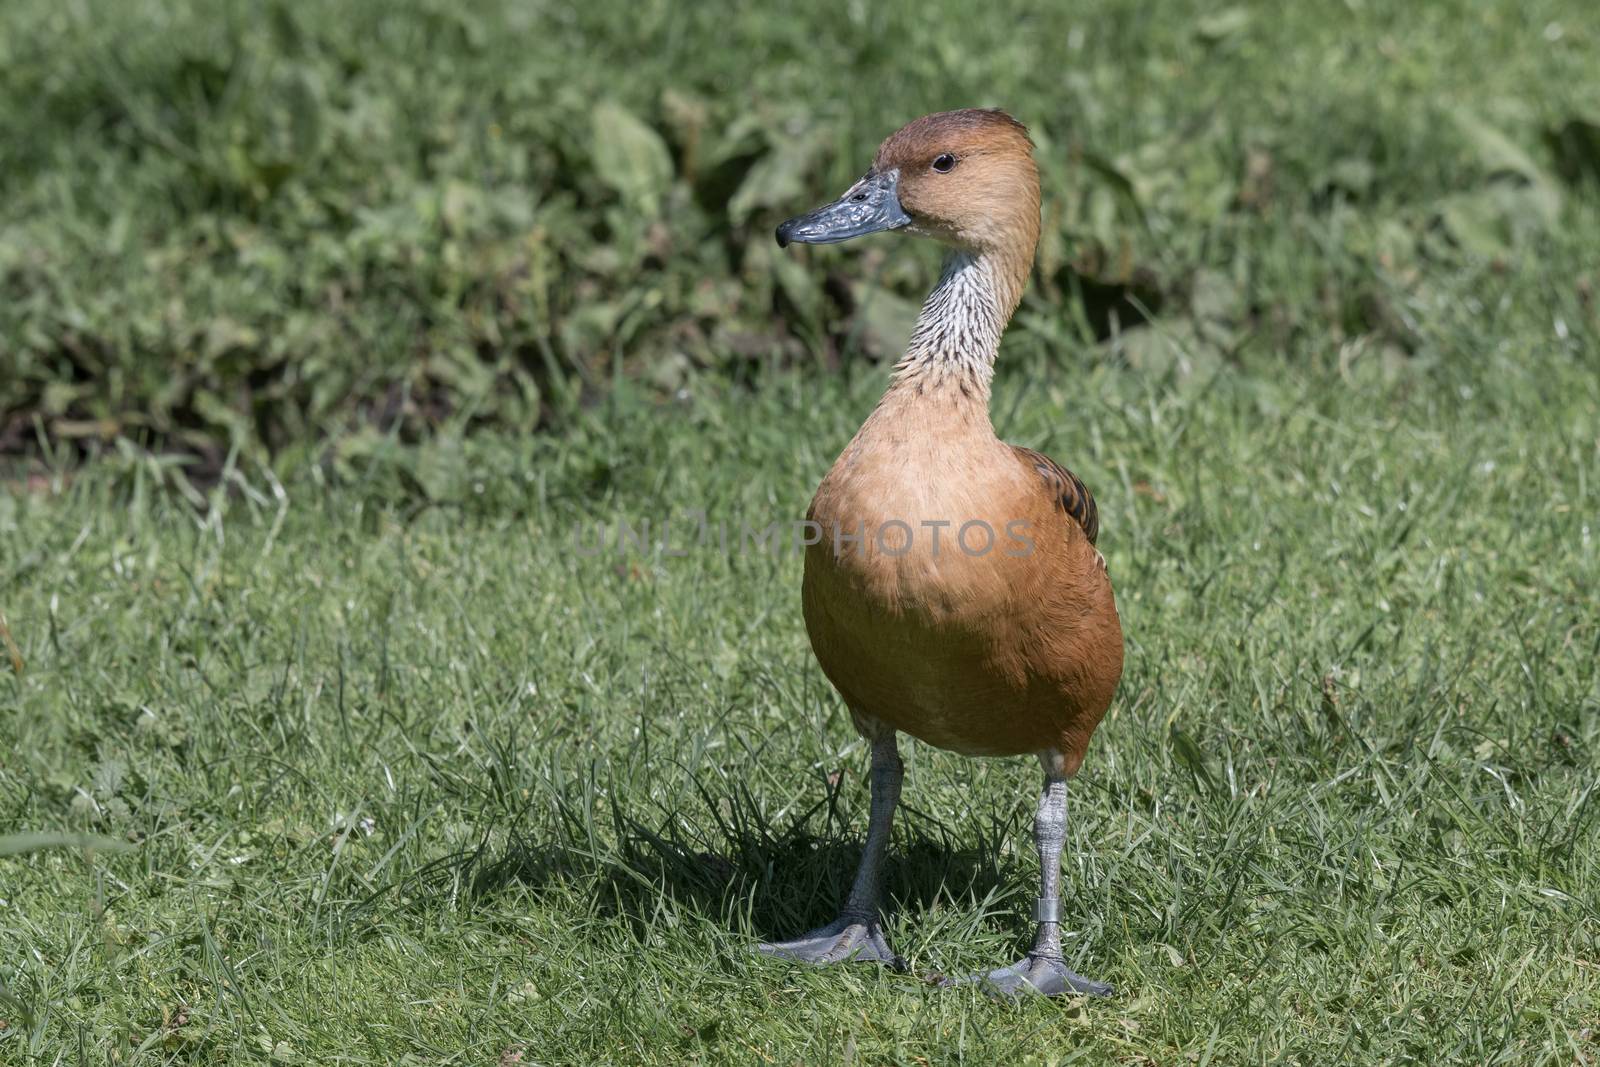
(973, 613)
(952, 587)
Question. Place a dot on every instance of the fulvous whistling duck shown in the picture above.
(955, 593)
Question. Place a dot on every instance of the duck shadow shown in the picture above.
(725, 863)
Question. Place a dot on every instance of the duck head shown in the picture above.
(965, 178)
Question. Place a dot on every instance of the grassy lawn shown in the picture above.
(415, 779)
(396, 774)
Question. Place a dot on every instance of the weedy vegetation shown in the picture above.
(323, 328)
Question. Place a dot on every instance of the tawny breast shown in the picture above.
(983, 645)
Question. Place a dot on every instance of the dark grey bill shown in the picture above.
(871, 204)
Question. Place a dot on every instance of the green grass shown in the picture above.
(412, 781)
(395, 775)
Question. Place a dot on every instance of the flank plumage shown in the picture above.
(992, 644)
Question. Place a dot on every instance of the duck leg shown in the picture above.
(1043, 970)
(855, 934)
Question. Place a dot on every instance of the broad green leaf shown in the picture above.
(883, 320)
(1214, 296)
(1225, 23)
(800, 283)
(1496, 152)
(1519, 200)
(631, 157)
(1353, 175)
(303, 98)
(1500, 217)
(1169, 347)
(778, 180)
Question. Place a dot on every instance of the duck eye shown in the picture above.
(944, 163)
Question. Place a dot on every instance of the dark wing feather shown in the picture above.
(1067, 488)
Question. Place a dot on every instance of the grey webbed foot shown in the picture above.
(844, 940)
(1045, 975)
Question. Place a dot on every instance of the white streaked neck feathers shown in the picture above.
(957, 335)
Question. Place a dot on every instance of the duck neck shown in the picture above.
(953, 347)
